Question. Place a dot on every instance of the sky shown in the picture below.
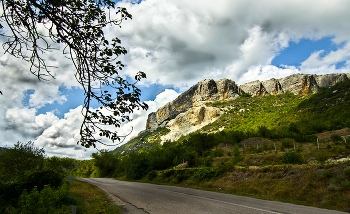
(177, 44)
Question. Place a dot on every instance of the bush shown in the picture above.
(347, 172)
(321, 158)
(41, 178)
(21, 158)
(38, 179)
(218, 152)
(152, 175)
(327, 174)
(292, 158)
(237, 157)
(207, 173)
(48, 200)
(208, 162)
(336, 138)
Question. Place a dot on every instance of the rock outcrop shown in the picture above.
(190, 121)
(255, 88)
(329, 80)
(187, 113)
(273, 86)
(204, 91)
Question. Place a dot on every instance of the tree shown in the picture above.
(78, 24)
(16, 161)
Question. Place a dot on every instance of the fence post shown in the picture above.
(74, 209)
(344, 138)
(294, 145)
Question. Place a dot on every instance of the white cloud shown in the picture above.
(182, 42)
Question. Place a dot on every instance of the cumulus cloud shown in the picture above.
(182, 42)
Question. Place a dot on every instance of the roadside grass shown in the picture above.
(324, 186)
(318, 180)
(91, 199)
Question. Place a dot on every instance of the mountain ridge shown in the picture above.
(187, 113)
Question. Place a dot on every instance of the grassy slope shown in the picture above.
(324, 186)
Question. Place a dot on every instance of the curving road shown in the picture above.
(150, 198)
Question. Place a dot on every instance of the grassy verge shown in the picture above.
(91, 199)
(325, 186)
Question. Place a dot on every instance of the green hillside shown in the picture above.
(274, 117)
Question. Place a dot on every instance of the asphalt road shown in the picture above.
(150, 198)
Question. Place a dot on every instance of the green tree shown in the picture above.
(200, 142)
(78, 24)
(16, 161)
(106, 162)
(59, 164)
(23, 167)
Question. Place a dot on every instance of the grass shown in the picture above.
(324, 186)
(91, 199)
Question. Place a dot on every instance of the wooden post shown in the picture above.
(318, 144)
(275, 146)
(294, 145)
(344, 138)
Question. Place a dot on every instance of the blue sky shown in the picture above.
(177, 44)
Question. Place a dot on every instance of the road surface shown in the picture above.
(150, 198)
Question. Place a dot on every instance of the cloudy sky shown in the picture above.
(177, 44)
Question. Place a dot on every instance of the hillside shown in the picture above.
(298, 116)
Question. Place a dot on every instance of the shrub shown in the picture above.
(48, 200)
(11, 191)
(152, 175)
(347, 172)
(292, 158)
(41, 178)
(207, 173)
(208, 162)
(237, 157)
(333, 187)
(346, 185)
(218, 152)
(21, 158)
(326, 174)
(336, 138)
(321, 158)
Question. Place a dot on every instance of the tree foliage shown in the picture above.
(25, 167)
(16, 161)
(78, 24)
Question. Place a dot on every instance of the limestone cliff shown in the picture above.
(204, 91)
(190, 121)
(187, 113)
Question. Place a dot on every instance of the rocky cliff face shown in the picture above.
(190, 121)
(187, 113)
(204, 91)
